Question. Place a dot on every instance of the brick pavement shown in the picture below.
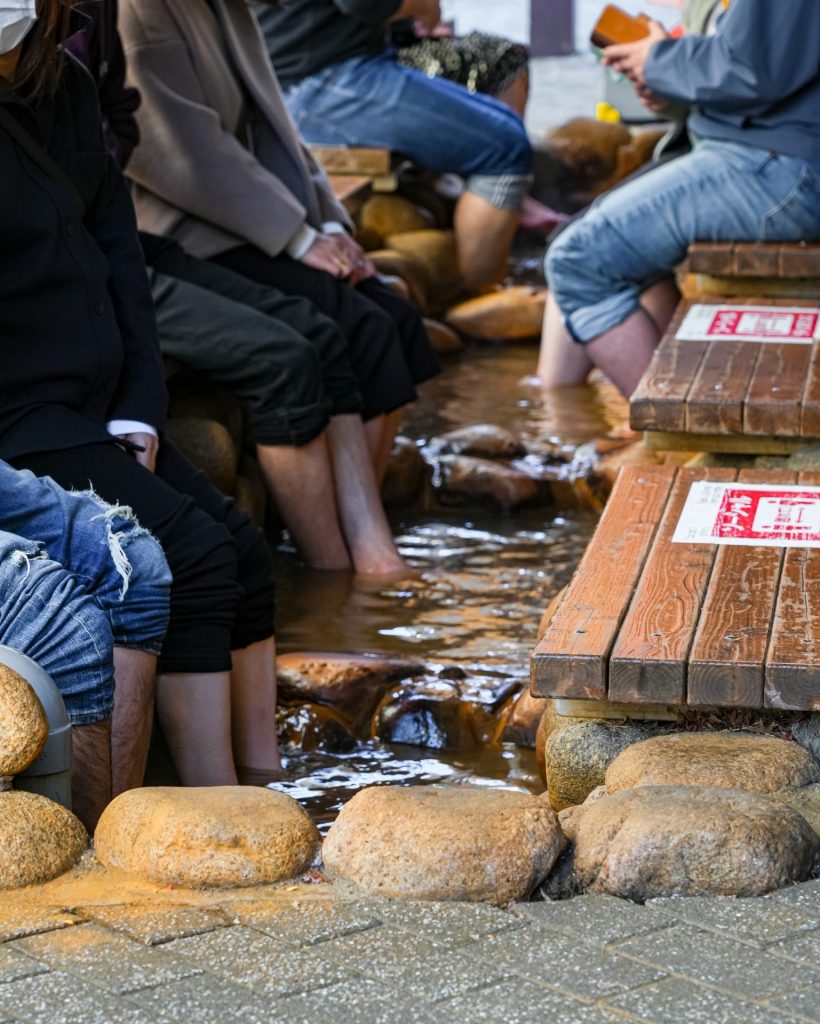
(312, 954)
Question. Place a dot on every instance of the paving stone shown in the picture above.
(579, 967)
(805, 895)
(362, 1001)
(393, 956)
(598, 918)
(446, 924)
(16, 923)
(14, 964)
(803, 1004)
(756, 920)
(805, 948)
(151, 926)
(267, 965)
(103, 958)
(520, 1002)
(208, 1000)
(677, 1001)
(720, 961)
(304, 923)
(57, 998)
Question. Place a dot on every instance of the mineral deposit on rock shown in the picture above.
(219, 836)
(730, 760)
(23, 723)
(690, 841)
(39, 839)
(444, 843)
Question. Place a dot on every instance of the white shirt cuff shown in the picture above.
(334, 227)
(120, 427)
(301, 242)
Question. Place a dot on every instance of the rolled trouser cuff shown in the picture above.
(505, 191)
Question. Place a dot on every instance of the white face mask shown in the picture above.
(16, 19)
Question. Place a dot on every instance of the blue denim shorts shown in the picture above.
(637, 234)
(374, 101)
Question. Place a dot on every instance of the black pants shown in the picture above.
(389, 348)
(222, 591)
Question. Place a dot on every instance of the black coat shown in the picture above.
(77, 327)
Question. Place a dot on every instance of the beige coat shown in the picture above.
(196, 179)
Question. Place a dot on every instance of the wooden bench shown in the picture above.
(377, 165)
(648, 621)
(732, 396)
(774, 269)
(352, 191)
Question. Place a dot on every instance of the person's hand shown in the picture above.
(429, 14)
(630, 58)
(149, 443)
(361, 266)
(652, 101)
(329, 253)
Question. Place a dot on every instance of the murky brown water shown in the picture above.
(485, 578)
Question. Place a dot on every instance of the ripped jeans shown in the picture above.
(77, 577)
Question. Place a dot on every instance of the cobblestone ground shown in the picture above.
(100, 949)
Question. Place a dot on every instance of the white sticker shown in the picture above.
(799, 325)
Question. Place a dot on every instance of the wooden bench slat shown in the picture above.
(727, 660)
(810, 412)
(711, 258)
(368, 160)
(714, 404)
(772, 404)
(750, 259)
(798, 259)
(773, 260)
(792, 678)
(570, 659)
(648, 661)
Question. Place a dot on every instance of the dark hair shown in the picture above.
(41, 63)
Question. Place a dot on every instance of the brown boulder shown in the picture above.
(216, 836)
(805, 800)
(23, 723)
(727, 760)
(689, 841)
(443, 341)
(436, 250)
(460, 479)
(443, 843)
(209, 446)
(522, 724)
(386, 215)
(430, 712)
(308, 727)
(512, 314)
(39, 839)
(406, 475)
(410, 269)
(483, 440)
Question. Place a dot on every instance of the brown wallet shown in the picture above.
(616, 26)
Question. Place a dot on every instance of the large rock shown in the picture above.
(460, 480)
(805, 800)
(690, 841)
(210, 446)
(23, 723)
(443, 340)
(407, 474)
(436, 251)
(806, 730)
(410, 269)
(444, 843)
(217, 836)
(384, 215)
(727, 760)
(511, 314)
(521, 726)
(483, 440)
(308, 727)
(39, 839)
(352, 683)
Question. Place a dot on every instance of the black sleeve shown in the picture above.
(374, 12)
(119, 103)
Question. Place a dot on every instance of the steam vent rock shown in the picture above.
(23, 724)
(39, 839)
(690, 841)
(727, 760)
(219, 836)
(444, 843)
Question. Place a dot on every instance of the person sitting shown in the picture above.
(345, 87)
(754, 175)
(84, 591)
(82, 398)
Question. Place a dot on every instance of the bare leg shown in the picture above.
(562, 362)
(364, 523)
(484, 236)
(374, 431)
(195, 714)
(660, 302)
(134, 672)
(91, 771)
(517, 93)
(253, 708)
(301, 482)
(624, 352)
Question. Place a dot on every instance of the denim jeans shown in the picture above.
(374, 101)
(635, 236)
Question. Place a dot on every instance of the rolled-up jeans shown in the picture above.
(374, 101)
(635, 236)
(77, 576)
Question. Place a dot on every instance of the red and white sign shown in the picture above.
(794, 325)
(757, 515)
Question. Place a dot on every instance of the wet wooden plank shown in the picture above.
(648, 661)
(571, 657)
(810, 410)
(354, 159)
(773, 400)
(714, 404)
(753, 259)
(658, 400)
(711, 258)
(799, 259)
(728, 656)
(792, 675)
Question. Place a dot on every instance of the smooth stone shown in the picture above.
(443, 340)
(201, 837)
(352, 683)
(521, 726)
(309, 727)
(209, 445)
(727, 760)
(805, 800)
(386, 215)
(443, 843)
(194, 397)
(483, 440)
(397, 285)
(512, 314)
(807, 733)
(39, 839)
(570, 817)
(436, 250)
(461, 479)
(689, 841)
(23, 723)
(410, 269)
(407, 474)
